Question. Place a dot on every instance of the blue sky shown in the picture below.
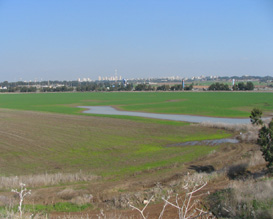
(70, 39)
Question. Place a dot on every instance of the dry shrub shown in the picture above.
(230, 127)
(187, 204)
(255, 198)
(67, 194)
(244, 199)
(234, 127)
(10, 214)
(249, 136)
(250, 159)
(101, 215)
(83, 199)
(248, 132)
(261, 190)
(44, 179)
(200, 178)
(6, 201)
(238, 171)
(256, 159)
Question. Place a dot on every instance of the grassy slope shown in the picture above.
(33, 142)
(223, 104)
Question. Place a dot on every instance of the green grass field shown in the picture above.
(222, 104)
(34, 142)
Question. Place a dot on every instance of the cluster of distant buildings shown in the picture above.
(172, 78)
(111, 78)
(3, 88)
(84, 80)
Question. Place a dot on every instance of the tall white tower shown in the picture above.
(116, 75)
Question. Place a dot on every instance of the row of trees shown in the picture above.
(240, 86)
(27, 89)
(19, 89)
(144, 87)
(57, 89)
(218, 86)
(179, 87)
(107, 86)
(164, 87)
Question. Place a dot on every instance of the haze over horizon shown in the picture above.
(66, 40)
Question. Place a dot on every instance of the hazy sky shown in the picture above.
(70, 39)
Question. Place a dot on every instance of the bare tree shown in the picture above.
(187, 207)
(22, 194)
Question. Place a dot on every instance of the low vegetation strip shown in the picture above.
(219, 104)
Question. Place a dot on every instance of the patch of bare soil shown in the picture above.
(177, 100)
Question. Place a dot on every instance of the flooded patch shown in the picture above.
(108, 110)
(205, 142)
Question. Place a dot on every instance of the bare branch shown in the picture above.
(142, 211)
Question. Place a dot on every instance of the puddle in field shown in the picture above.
(205, 142)
(108, 110)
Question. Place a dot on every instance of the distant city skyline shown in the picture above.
(69, 39)
(119, 78)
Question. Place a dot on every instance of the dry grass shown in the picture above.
(255, 199)
(101, 215)
(67, 194)
(229, 127)
(248, 132)
(44, 179)
(261, 190)
(201, 178)
(256, 159)
(82, 199)
(244, 199)
(251, 159)
(246, 166)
